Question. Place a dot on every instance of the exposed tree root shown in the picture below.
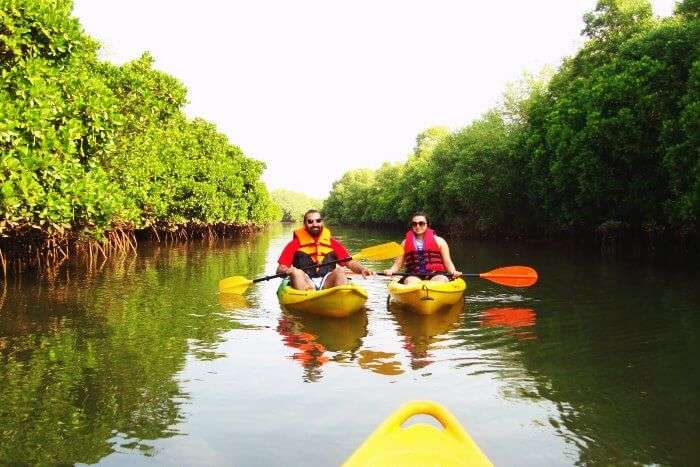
(31, 249)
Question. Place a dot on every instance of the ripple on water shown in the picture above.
(497, 298)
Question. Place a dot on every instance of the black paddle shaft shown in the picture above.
(307, 268)
(430, 274)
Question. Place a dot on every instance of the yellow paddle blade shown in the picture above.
(234, 285)
(380, 252)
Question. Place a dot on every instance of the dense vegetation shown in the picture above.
(293, 204)
(87, 147)
(608, 143)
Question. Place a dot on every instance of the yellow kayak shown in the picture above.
(419, 444)
(427, 297)
(338, 302)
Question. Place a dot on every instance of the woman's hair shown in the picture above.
(419, 213)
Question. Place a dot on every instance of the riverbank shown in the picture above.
(31, 249)
(655, 245)
(94, 155)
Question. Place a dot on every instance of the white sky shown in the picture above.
(317, 87)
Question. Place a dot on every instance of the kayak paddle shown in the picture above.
(511, 276)
(239, 284)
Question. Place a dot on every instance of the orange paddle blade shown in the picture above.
(513, 276)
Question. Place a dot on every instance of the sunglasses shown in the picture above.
(316, 221)
(416, 224)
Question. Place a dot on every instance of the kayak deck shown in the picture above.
(419, 444)
(427, 297)
(337, 302)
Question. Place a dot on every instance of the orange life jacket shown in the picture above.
(316, 248)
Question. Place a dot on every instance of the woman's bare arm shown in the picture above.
(446, 258)
(396, 267)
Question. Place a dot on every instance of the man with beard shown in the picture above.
(311, 245)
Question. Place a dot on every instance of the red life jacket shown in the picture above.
(421, 261)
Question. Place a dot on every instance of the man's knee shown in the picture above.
(335, 277)
(300, 280)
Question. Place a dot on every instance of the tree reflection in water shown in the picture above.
(422, 332)
(232, 302)
(89, 359)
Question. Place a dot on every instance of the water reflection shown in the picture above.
(511, 318)
(89, 358)
(383, 363)
(321, 339)
(233, 302)
(422, 332)
(310, 354)
(122, 357)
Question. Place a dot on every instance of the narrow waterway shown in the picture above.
(140, 361)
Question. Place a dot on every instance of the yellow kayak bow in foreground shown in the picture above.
(419, 444)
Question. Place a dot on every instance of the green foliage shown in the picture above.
(613, 21)
(86, 145)
(597, 144)
(57, 121)
(611, 24)
(348, 197)
(690, 9)
(682, 156)
(145, 96)
(466, 178)
(386, 195)
(520, 95)
(30, 30)
(611, 139)
(188, 172)
(293, 204)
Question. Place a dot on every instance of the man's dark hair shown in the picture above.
(310, 211)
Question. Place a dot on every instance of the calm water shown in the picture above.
(139, 361)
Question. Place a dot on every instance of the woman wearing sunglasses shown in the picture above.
(425, 254)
